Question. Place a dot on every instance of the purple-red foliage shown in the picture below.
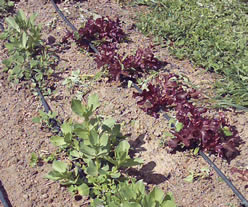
(243, 173)
(165, 93)
(110, 32)
(102, 29)
(108, 56)
(203, 131)
(198, 129)
(142, 61)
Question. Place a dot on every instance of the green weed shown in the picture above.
(5, 7)
(28, 57)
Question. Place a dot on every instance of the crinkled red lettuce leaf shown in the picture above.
(130, 66)
(198, 129)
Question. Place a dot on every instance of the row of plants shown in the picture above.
(29, 57)
(212, 34)
(213, 134)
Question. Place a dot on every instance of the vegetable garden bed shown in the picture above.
(147, 133)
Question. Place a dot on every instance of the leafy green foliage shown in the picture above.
(134, 195)
(28, 58)
(203, 173)
(33, 160)
(96, 156)
(48, 119)
(213, 34)
(5, 6)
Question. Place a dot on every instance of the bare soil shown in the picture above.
(19, 136)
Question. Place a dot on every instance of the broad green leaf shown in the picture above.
(83, 189)
(24, 39)
(32, 18)
(127, 192)
(109, 122)
(140, 186)
(104, 139)
(169, 200)
(81, 133)
(122, 150)
(66, 128)
(169, 203)
(22, 15)
(157, 194)
(92, 169)
(148, 202)
(93, 102)
(76, 154)
(77, 107)
(12, 23)
(53, 175)
(88, 151)
(128, 162)
(68, 138)
(94, 137)
(115, 175)
(59, 166)
(10, 46)
(130, 204)
(58, 141)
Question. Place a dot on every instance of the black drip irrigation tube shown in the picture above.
(74, 29)
(243, 200)
(4, 197)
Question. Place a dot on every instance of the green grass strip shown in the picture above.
(213, 34)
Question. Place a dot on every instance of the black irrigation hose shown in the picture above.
(4, 197)
(244, 202)
(74, 29)
(47, 108)
(43, 100)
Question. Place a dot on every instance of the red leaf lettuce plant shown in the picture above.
(213, 134)
(109, 32)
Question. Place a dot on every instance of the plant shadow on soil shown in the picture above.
(145, 173)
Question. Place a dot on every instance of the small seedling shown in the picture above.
(204, 173)
(48, 119)
(33, 160)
